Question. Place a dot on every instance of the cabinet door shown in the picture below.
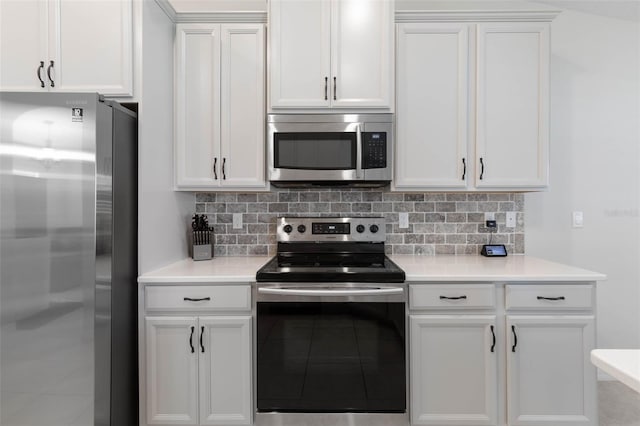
(453, 370)
(512, 105)
(91, 46)
(362, 63)
(242, 123)
(300, 53)
(432, 118)
(225, 370)
(197, 99)
(23, 45)
(172, 365)
(550, 380)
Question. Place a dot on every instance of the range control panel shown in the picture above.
(300, 229)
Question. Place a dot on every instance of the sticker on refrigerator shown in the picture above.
(77, 114)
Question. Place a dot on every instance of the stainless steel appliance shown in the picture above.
(331, 326)
(68, 264)
(330, 149)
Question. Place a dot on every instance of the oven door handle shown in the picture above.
(359, 152)
(353, 291)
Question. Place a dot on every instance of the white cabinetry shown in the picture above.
(331, 54)
(196, 370)
(67, 46)
(219, 107)
(550, 380)
(453, 356)
(472, 106)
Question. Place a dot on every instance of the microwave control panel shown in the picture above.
(374, 150)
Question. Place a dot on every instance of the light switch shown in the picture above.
(578, 220)
(237, 221)
(404, 220)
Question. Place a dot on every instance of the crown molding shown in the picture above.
(476, 16)
(222, 17)
(168, 9)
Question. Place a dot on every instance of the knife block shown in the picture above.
(201, 244)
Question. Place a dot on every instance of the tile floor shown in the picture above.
(619, 405)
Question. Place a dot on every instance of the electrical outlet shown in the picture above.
(578, 219)
(489, 216)
(511, 220)
(404, 220)
(237, 221)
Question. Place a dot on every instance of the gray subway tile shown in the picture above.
(205, 197)
(413, 197)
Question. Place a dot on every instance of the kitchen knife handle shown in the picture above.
(201, 334)
(215, 168)
(493, 336)
(326, 87)
(224, 173)
(40, 68)
(189, 299)
(49, 74)
(191, 339)
(481, 168)
(335, 89)
(464, 168)
(515, 338)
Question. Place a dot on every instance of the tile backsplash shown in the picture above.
(439, 223)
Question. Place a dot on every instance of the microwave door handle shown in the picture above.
(359, 152)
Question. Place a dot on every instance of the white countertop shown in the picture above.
(623, 364)
(442, 268)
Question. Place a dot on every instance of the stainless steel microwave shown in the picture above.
(329, 149)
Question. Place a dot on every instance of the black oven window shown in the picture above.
(315, 151)
(331, 357)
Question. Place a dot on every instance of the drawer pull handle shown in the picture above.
(453, 298)
(493, 335)
(515, 338)
(189, 299)
(550, 298)
(201, 334)
(191, 339)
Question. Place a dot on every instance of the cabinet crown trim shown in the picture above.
(476, 16)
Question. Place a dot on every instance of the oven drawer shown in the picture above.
(185, 298)
(548, 297)
(452, 296)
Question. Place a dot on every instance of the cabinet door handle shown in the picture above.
(215, 167)
(201, 334)
(493, 342)
(481, 168)
(550, 298)
(515, 338)
(335, 88)
(326, 87)
(453, 298)
(189, 299)
(49, 73)
(191, 339)
(464, 169)
(40, 68)
(224, 173)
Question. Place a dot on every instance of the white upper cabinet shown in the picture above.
(472, 106)
(432, 111)
(67, 46)
(331, 54)
(219, 106)
(512, 139)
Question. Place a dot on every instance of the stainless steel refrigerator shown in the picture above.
(68, 260)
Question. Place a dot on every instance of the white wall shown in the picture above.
(162, 213)
(595, 159)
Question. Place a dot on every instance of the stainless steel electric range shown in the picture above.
(331, 325)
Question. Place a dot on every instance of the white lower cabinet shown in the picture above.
(196, 369)
(453, 370)
(550, 380)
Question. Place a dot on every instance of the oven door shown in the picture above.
(315, 151)
(331, 348)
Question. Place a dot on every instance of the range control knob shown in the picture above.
(360, 229)
(373, 229)
(288, 229)
(301, 229)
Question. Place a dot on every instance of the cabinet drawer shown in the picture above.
(548, 297)
(452, 296)
(181, 298)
